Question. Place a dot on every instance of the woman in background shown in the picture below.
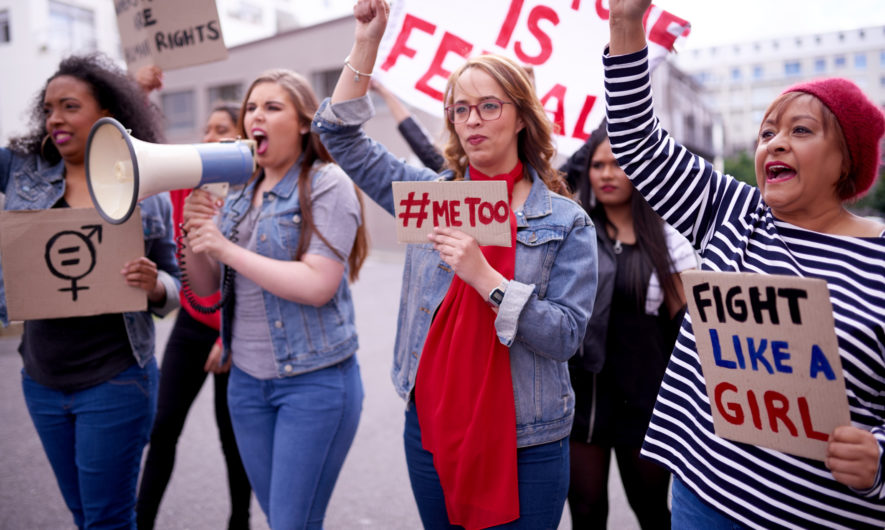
(193, 350)
(616, 373)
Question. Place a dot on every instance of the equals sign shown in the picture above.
(69, 250)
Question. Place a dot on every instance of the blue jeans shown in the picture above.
(689, 512)
(94, 439)
(293, 434)
(543, 472)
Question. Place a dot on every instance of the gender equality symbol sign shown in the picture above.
(66, 262)
(770, 358)
(479, 209)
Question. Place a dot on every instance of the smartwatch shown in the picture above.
(497, 294)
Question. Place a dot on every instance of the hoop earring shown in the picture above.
(43, 146)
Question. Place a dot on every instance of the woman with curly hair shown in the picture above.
(90, 382)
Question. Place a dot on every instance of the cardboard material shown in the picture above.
(169, 33)
(479, 209)
(769, 354)
(66, 262)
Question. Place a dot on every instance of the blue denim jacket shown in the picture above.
(304, 337)
(545, 310)
(31, 184)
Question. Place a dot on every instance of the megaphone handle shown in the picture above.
(218, 189)
(227, 283)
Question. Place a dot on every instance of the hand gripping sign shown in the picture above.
(479, 209)
(768, 349)
(66, 262)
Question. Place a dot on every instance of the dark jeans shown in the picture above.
(94, 440)
(543, 472)
(181, 378)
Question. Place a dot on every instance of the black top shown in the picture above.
(614, 407)
(75, 353)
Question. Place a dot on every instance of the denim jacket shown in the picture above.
(31, 184)
(546, 307)
(304, 337)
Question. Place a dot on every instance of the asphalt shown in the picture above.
(373, 489)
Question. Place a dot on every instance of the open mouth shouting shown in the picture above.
(778, 172)
(260, 138)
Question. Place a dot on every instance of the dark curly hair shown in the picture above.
(114, 91)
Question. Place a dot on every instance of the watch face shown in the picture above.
(497, 296)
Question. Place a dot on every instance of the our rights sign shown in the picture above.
(768, 349)
(562, 40)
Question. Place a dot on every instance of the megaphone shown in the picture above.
(122, 170)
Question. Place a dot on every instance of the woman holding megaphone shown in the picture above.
(90, 382)
(293, 236)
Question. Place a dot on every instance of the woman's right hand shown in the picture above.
(371, 19)
(626, 34)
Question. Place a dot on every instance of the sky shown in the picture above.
(716, 22)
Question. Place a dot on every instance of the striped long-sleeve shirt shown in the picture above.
(734, 230)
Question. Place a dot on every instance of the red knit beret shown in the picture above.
(861, 121)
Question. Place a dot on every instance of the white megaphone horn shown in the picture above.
(122, 170)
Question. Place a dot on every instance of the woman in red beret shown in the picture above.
(817, 148)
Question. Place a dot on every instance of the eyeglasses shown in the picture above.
(488, 109)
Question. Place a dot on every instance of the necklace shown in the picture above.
(617, 247)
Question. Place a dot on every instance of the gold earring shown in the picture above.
(43, 146)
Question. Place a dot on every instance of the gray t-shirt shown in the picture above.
(336, 215)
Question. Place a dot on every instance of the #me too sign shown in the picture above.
(771, 362)
(562, 40)
(477, 208)
(169, 33)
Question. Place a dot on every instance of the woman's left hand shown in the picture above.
(142, 273)
(205, 237)
(462, 253)
(853, 457)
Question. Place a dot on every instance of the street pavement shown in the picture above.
(372, 492)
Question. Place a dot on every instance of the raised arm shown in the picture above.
(371, 19)
(625, 25)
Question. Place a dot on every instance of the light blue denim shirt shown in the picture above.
(304, 337)
(545, 310)
(31, 184)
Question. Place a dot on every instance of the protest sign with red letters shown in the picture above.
(562, 40)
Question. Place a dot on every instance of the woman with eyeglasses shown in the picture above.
(484, 333)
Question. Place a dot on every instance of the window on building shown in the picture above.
(841, 37)
(758, 72)
(71, 28)
(820, 65)
(839, 61)
(817, 39)
(792, 68)
(882, 82)
(230, 92)
(882, 58)
(178, 107)
(5, 35)
(735, 74)
(860, 61)
(324, 82)
(798, 41)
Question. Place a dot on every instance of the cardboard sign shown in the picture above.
(479, 209)
(169, 33)
(768, 350)
(66, 262)
(426, 41)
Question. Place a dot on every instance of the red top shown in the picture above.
(212, 320)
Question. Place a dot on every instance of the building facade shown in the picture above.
(741, 79)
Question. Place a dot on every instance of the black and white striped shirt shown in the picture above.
(734, 230)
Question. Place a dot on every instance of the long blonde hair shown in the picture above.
(535, 140)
